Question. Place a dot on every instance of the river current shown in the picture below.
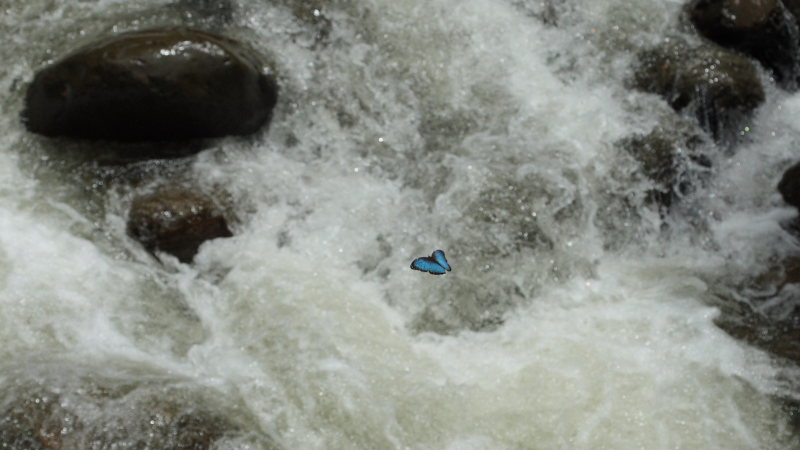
(577, 315)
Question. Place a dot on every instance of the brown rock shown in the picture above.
(176, 222)
(152, 85)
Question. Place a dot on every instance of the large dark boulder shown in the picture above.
(789, 186)
(152, 85)
(763, 29)
(176, 221)
(719, 87)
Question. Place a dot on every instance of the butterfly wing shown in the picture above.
(428, 264)
(438, 256)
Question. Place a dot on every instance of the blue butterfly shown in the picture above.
(436, 264)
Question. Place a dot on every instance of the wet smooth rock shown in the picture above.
(789, 186)
(763, 29)
(176, 221)
(719, 87)
(162, 84)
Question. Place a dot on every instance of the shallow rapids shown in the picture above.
(577, 315)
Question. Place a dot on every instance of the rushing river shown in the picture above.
(577, 315)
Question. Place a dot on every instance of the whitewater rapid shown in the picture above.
(576, 316)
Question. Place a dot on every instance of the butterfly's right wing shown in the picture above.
(438, 256)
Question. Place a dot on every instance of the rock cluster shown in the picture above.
(763, 29)
(148, 94)
(715, 82)
(157, 85)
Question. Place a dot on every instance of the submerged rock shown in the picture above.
(65, 407)
(748, 320)
(312, 14)
(665, 157)
(176, 221)
(217, 11)
(763, 29)
(35, 420)
(158, 84)
(779, 337)
(720, 88)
